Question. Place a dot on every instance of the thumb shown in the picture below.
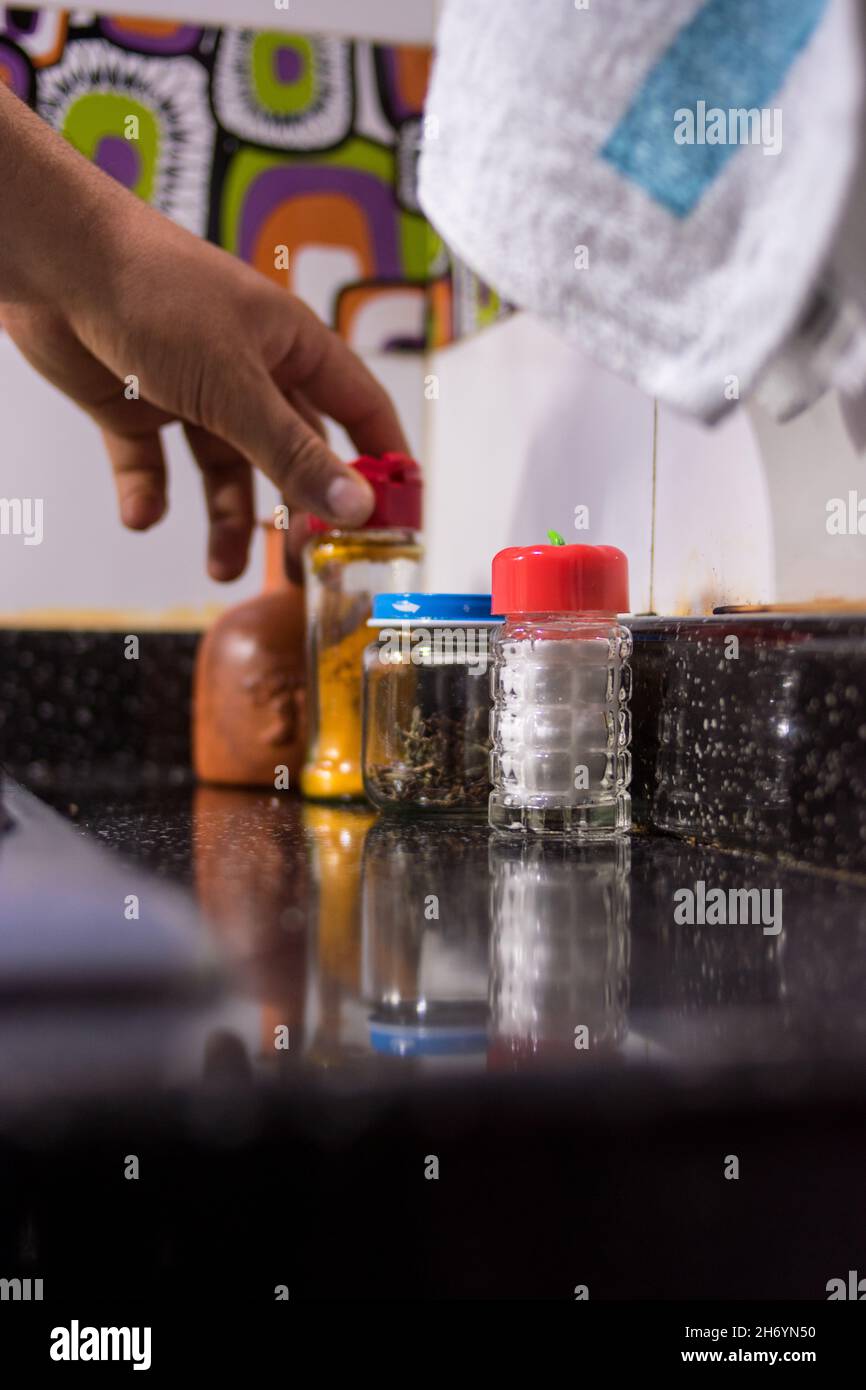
(271, 434)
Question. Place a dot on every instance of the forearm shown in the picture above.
(56, 209)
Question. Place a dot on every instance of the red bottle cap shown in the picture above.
(396, 483)
(560, 579)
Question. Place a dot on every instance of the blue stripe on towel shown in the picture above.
(733, 54)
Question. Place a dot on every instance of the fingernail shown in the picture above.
(349, 500)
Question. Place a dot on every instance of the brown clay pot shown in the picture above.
(249, 698)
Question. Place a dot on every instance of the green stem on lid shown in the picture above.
(555, 538)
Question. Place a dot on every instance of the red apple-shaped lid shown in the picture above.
(396, 483)
(560, 579)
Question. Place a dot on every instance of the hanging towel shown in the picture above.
(676, 184)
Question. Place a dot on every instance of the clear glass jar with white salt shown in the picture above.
(560, 763)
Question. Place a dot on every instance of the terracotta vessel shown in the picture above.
(249, 698)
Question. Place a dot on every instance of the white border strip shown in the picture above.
(390, 21)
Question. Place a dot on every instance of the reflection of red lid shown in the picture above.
(519, 1054)
(560, 579)
(396, 483)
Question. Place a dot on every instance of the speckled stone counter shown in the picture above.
(389, 942)
(75, 709)
(750, 732)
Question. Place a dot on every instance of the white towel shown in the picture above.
(676, 184)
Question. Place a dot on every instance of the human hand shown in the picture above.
(143, 305)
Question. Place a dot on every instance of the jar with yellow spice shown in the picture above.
(342, 571)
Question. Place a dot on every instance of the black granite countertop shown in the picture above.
(383, 944)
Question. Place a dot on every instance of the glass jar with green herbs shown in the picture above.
(426, 736)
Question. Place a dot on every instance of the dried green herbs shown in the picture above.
(442, 761)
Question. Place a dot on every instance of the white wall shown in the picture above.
(523, 431)
(813, 459)
(526, 427)
(714, 528)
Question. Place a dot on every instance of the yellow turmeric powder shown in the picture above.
(333, 768)
(338, 634)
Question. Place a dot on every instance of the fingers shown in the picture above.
(130, 428)
(336, 382)
(297, 534)
(306, 411)
(49, 344)
(228, 490)
(266, 429)
(138, 465)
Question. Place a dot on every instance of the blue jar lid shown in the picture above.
(432, 608)
(405, 1040)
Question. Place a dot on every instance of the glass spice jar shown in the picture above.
(561, 726)
(427, 703)
(425, 939)
(342, 571)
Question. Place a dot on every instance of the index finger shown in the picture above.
(335, 381)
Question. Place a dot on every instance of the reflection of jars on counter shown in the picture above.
(343, 569)
(427, 703)
(253, 887)
(560, 917)
(335, 1021)
(425, 925)
(561, 724)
